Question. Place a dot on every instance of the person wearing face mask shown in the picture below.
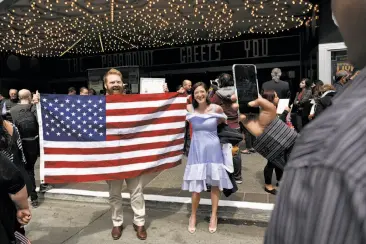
(7, 104)
(302, 105)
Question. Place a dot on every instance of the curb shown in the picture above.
(233, 211)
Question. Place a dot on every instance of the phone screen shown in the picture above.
(245, 78)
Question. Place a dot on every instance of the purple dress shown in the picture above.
(205, 158)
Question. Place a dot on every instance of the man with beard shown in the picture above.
(322, 198)
(7, 104)
(114, 85)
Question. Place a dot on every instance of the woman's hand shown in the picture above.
(266, 116)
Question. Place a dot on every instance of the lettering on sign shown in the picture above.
(200, 53)
(345, 66)
(256, 48)
(140, 58)
(194, 54)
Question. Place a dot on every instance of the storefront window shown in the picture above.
(340, 62)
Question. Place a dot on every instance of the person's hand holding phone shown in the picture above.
(268, 113)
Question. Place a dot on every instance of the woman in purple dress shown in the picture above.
(205, 158)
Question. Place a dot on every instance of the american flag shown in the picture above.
(93, 138)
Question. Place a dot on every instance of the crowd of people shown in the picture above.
(207, 108)
(321, 198)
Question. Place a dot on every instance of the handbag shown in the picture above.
(228, 192)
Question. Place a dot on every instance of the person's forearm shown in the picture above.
(20, 198)
(275, 142)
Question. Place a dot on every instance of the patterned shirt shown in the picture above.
(322, 197)
(8, 152)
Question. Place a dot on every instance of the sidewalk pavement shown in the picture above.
(56, 222)
(163, 190)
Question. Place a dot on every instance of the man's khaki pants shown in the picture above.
(135, 187)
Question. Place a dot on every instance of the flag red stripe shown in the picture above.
(110, 163)
(109, 150)
(146, 134)
(100, 177)
(142, 97)
(132, 124)
(149, 110)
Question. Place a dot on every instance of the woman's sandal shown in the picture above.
(213, 230)
(191, 229)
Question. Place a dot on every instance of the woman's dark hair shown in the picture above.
(92, 91)
(225, 80)
(269, 95)
(308, 82)
(195, 86)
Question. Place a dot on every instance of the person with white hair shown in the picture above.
(276, 84)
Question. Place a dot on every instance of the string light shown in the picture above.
(53, 28)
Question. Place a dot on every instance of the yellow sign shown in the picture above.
(345, 66)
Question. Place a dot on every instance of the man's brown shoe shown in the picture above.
(140, 232)
(117, 232)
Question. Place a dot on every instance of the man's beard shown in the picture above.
(189, 92)
(115, 90)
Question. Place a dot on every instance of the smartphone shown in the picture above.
(246, 86)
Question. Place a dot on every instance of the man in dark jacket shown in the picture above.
(325, 100)
(282, 88)
(7, 104)
(24, 116)
(222, 97)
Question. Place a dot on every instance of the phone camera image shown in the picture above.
(245, 78)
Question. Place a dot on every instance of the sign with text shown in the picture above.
(152, 85)
(192, 54)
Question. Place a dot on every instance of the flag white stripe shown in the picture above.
(111, 156)
(146, 104)
(110, 170)
(145, 128)
(139, 117)
(116, 143)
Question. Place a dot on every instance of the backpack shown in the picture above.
(25, 121)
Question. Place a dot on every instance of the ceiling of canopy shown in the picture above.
(84, 27)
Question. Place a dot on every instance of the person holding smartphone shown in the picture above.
(322, 198)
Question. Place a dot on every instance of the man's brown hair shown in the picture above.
(112, 72)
